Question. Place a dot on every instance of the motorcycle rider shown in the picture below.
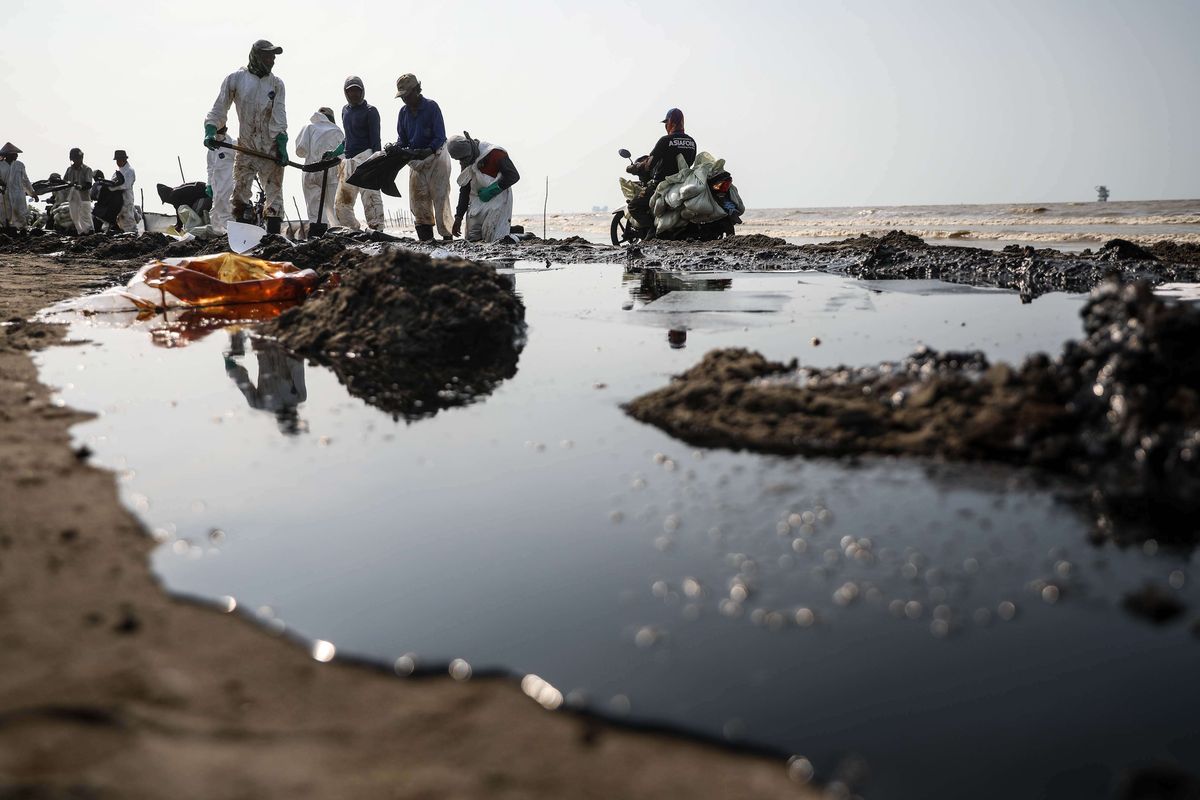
(660, 163)
(676, 143)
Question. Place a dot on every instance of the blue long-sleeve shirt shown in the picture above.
(423, 127)
(361, 123)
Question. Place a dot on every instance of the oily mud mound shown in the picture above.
(1119, 409)
(409, 334)
(900, 255)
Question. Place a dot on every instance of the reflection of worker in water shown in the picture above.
(280, 387)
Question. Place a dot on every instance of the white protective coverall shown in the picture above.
(347, 195)
(490, 221)
(127, 219)
(261, 117)
(80, 200)
(429, 192)
(14, 205)
(220, 178)
(316, 138)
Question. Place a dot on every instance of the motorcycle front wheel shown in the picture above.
(620, 230)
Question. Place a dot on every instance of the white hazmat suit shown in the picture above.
(347, 195)
(490, 221)
(261, 117)
(429, 192)
(127, 219)
(220, 178)
(16, 189)
(316, 138)
(80, 200)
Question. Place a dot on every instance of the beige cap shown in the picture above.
(406, 83)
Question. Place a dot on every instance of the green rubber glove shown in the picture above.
(337, 151)
(489, 191)
(281, 146)
(208, 191)
(210, 137)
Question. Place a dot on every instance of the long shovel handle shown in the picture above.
(317, 167)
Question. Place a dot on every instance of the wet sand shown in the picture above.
(110, 688)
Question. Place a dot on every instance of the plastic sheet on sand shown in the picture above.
(214, 280)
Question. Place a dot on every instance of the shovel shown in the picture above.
(319, 166)
(318, 228)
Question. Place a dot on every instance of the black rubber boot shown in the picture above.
(424, 233)
(274, 224)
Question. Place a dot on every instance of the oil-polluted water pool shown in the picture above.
(912, 630)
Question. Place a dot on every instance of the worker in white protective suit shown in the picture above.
(79, 198)
(320, 140)
(262, 125)
(360, 121)
(421, 128)
(122, 181)
(15, 189)
(220, 181)
(485, 198)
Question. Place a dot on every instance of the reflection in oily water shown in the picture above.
(654, 283)
(415, 388)
(279, 387)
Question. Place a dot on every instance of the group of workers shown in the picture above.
(260, 152)
(487, 174)
(76, 189)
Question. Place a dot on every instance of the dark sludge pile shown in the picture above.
(898, 255)
(1119, 410)
(1028, 270)
(411, 335)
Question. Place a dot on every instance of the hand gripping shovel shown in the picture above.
(319, 166)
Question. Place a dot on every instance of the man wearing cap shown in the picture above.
(262, 125)
(122, 181)
(360, 120)
(15, 188)
(320, 139)
(79, 175)
(663, 161)
(421, 128)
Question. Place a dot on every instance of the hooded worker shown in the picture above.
(262, 125)
(485, 197)
(79, 198)
(320, 139)
(421, 128)
(15, 189)
(360, 120)
(220, 180)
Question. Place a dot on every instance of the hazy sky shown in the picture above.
(866, 102)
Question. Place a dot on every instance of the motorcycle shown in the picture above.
(635, 221)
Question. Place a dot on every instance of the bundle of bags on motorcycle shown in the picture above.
(684, 197)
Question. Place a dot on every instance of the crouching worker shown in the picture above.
(485, 189)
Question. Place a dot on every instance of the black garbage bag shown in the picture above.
(191, 194)
(380, 171)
